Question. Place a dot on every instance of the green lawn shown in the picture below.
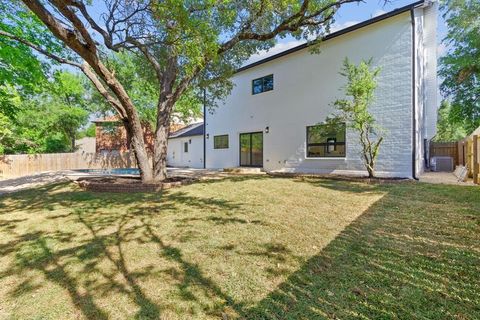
(245, 247)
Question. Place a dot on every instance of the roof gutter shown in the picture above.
(414, 97)
(204, 128)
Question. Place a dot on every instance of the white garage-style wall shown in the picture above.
(179, 156)
(305, 85)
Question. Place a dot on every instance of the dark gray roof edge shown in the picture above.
(336, 34)
(195, 129)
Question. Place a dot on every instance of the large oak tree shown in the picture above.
(187, 44)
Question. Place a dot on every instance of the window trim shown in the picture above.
(223, 148)
(261, 78)
(316, 144)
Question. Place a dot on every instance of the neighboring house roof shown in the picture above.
(336, 34)
(194, 129)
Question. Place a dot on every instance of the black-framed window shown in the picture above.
(220, 142)
(324, 141)
(185, 147)
(262, 84)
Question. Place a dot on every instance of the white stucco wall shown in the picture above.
(176, 157)
(426, 81)
(305, 85)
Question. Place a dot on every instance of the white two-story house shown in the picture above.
(270, 117)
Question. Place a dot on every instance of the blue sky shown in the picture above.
(354, 13)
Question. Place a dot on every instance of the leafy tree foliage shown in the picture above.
(447, 129)
(89, 131)
(39, 110)
(353, 111)
(142, 87)
(47, 121)
(460, 67)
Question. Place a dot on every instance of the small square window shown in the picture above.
(262, 84)
(257, 86)
(220, 142)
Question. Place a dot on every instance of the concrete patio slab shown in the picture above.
(443, 178)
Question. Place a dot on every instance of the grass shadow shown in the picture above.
(106, 234)
(392, 262)
(413, 254)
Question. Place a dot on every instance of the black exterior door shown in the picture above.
(251, 149)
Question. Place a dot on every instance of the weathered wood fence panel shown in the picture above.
(472, 157)
(448, 149)
(12, 166)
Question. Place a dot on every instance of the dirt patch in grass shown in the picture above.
(243, 247)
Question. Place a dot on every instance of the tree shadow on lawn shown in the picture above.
(413, 254)
(108, 233)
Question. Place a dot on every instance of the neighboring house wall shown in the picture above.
(112, 136)
(85, 145)
(305, 85)
(177, 157)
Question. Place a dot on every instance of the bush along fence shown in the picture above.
(12, 166)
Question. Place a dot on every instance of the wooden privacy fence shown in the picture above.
(446, 149)
(12, 166)
(472, 157)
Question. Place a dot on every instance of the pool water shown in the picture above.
(130, 171)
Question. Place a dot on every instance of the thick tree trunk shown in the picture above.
(137, 143)
(161, 139)
(160, 152)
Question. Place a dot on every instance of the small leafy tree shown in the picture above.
(353, 111)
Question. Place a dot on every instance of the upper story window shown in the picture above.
(262, 84)
(220, 142)
(325, 141)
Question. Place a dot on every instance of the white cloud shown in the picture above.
(441, 49)
(279, 47)
(336, 27)
(378, 12)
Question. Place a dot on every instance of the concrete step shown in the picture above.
(244, 170)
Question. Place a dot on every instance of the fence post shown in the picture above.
(475, 159)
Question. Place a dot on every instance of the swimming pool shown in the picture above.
(129, 171)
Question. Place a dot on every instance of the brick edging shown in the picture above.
(130, 187)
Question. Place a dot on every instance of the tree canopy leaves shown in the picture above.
(460, 67)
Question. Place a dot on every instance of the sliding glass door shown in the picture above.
(251, 149)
